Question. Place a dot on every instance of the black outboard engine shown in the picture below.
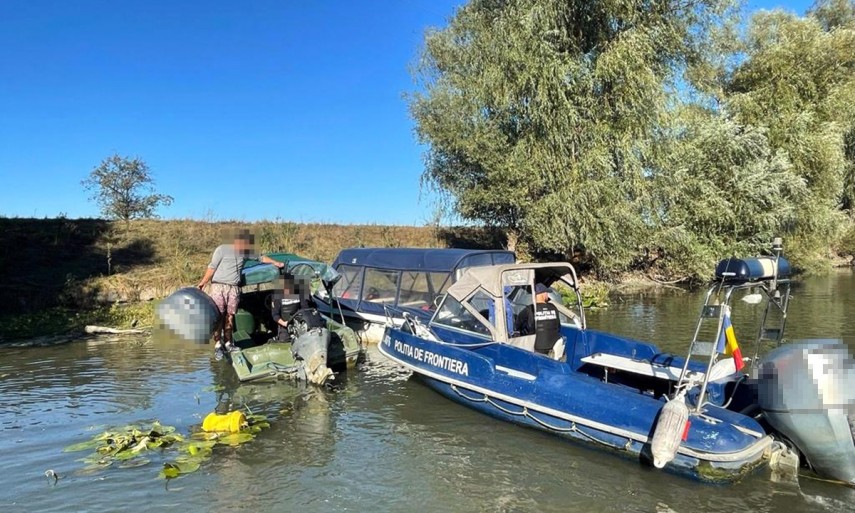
(311, 344)
(807, 393)
(189, 313)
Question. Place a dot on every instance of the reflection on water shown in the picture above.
(377, 440)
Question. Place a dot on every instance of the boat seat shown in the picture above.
(525, 342)
(643, 367)
(558, 349)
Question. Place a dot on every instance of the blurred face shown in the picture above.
(301, 286)
(242, 245)
(543, 297)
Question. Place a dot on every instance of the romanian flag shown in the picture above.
(727, 342)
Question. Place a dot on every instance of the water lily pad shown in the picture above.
(235, 439)
(202, 453)
(202, 435)
(180, 466)
(200, 447)
(136, 462)
(91, 469)
(97, 460)
(160, 429)
(188, 465)
(82, 446)
(126, 455)
(170, 471)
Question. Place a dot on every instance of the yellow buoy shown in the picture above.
(231, 422)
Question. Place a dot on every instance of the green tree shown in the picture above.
(542, 116)
(797, 83)
(720, 190)
(124, 189)
(833, 14)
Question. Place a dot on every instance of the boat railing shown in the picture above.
(774, 291)
(391, 313)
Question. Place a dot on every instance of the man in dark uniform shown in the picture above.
(541, 320)
(294, 298)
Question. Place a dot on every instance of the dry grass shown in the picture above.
(79, 264)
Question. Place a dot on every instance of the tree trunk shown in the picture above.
(513, 238)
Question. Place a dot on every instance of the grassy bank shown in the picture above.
(57, 275)
(61, 320)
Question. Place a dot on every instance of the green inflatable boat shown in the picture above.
(316, 349)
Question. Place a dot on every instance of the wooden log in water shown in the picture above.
(96, 330)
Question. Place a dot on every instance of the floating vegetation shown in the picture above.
(130, 446)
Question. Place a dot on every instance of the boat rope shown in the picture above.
(526, 413)
(733, 393)
(476, 344)
(803, 474)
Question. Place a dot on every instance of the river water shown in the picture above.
(378, 441)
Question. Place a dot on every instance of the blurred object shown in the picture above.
(189, 313)
(806, 392)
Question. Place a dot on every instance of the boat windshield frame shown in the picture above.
(492, 282)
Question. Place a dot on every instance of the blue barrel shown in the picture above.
(752, 269)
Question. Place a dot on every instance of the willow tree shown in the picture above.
(540, 115)
(720, 189)
(797, 82)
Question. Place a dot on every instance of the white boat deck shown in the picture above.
(646, 368)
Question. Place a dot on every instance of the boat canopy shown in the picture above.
(422, 259)
(487, 300)
(382, 281)
(255, 272)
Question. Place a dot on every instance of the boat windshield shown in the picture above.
(350, 285)
(452, 314)
(318, 275)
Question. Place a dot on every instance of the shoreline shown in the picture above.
(139, 315)
(59, 275)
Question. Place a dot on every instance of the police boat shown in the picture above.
(318, 345)
(713, 415)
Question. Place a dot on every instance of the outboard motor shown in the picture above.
(807, 393)
(189, 313)
(311, 343)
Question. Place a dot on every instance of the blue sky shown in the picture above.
(243, 109)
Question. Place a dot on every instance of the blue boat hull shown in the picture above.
(536, 392)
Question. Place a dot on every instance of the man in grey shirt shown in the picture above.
(224, 275)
